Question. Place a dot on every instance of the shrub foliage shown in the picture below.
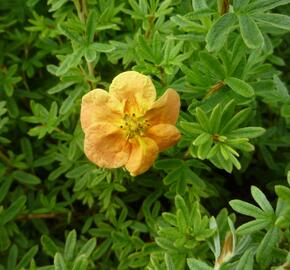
(219, 199)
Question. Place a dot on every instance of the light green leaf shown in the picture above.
(246, 262)
(195, 264)
(266, 247)
(251, 34)
(81, 263)
(88, 248)
(247, 209)
(70, 245)
(102, 47)
(240, 87)
(261, 199)
(240, 4)
(169, 262)
(253, 226)
(283, 192)
(59, 263)
(91, 26)
(218, 33)
(247, 132)
(275, 20)
(48, 245)
(202, 138)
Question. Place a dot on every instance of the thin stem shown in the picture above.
(38, 216)
(215, 88)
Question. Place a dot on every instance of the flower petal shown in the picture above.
(106, 146)
(98, 106)
(164, 135)
(165, 110)
(144, 151)
(135, 90)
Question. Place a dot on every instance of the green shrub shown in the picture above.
(218, 200)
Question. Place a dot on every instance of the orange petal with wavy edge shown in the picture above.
(98, 106)
(144, 151)
(165, 110)
(135, 90)
(164, 135)
(106, 146)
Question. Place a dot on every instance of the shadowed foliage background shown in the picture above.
(219, 199)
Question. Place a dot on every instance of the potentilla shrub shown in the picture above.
(144, 134)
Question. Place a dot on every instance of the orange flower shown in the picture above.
(126, 126)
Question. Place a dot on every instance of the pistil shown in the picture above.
(134, 126)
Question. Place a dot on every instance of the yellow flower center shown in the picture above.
(134, 125)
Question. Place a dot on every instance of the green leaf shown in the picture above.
(27, 150)
(180, 204)
(48, 245)
(69, 33)
(283, 192)
(191, 128)
(70, 245)
(59, 263)
(169, 262)
(266, 247)
(10, 213)
(26, 178)
(70, 61)
(261, 200)
(246, 262)
(68, 103)
(215, 118)
(235, 121)
(88, 248)
(81, 263)
(251, 34)
(240, 87)
(240, 4)
(4, 239)
(5, 188)
(102, 47)
(213, 65)
(247, 209)
(258, 6)
(26, 259)
(202, 138)
(59, 87)
(275, 20)
(218, 33)
(247, 132)
(168, 164)
(102, 248)
(202, 119)
(253, 226)
(195, 264)
(90, 54)
(91, 26)
(12, 257)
